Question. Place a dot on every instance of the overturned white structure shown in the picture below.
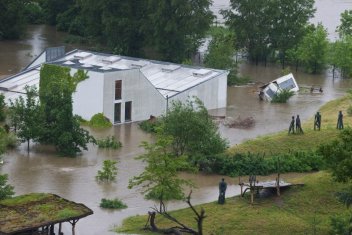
(125, 89)
(276, 86)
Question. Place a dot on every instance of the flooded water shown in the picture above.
(74, 178)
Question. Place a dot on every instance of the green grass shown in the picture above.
(293, 213)
(282, 142)
(31, 210)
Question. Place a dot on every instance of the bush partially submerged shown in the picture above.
(112, 204)
(99, 121)
(109, 142)
(282, 97)
(109, 171)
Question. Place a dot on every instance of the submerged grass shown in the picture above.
(282, 142)
(300, 210)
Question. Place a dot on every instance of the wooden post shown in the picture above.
(60, 227)
(278, 185)
(51, 230)
(73, 223)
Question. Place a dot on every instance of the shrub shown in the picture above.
(112, 204)
(246, 164)
(6, 190)
(109, 142)
(109, 171)
(11, 140)
(282, 97)
(149, 125)
(99, 121)
(349, 110)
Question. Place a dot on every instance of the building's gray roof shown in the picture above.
(168, 78)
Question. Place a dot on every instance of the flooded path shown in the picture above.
(74, 178)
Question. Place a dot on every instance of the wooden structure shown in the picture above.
(256, 186)
(38, 213)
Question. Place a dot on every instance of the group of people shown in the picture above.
(298, 125)
(317, 123)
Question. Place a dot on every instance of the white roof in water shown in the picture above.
(168, 78)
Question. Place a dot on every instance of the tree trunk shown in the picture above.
(28, 146)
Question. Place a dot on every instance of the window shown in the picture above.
(117, 113)
(128, 111)
(118, 88)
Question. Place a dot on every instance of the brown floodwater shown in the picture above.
(74, 178)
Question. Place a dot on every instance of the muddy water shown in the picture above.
(74, 178)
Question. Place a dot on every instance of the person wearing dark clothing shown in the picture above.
(292, 126)
(222, 191)
(317, 121)
(298, 125)
(340, 121)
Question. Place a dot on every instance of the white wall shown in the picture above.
(213, 92)
(146, 100)
(88, 98)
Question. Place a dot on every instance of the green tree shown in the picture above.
(53, 8)
(345, 27)
(12, 20)
(221, 52)
(60, 127)
(2, 108)
(160, 178)
(175, 28)
(313, 50)
(6, 190)
(288, 24)
(26, 114)
(267, 27)
(340, 56)
(109, 171)
(337, 156)
(251, 24)
(193, 132)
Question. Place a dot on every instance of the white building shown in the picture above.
(125, 89)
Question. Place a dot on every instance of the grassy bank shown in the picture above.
(300, 210)
(282, 142)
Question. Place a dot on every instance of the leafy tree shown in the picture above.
(2, 108)
(340, 56)
(6, 190)
(12, 20)
(313, 50)
(345, 28)
(109, 171)
(60, 127)
(25, 112)
(175, 28)
(288, 23)
(53, 8)
(266, 27)
(33, 12)
(192, 130)
(251, 24)
(160, 178)
(221, 52)
(123, 23)
(338, 156)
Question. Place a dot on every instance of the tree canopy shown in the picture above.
(60, 127)
(160, 178)
(268, 27)
(313, 49)
(338, 156)
(192, 130)
(12, 20)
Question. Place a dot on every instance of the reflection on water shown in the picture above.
(74, 178)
